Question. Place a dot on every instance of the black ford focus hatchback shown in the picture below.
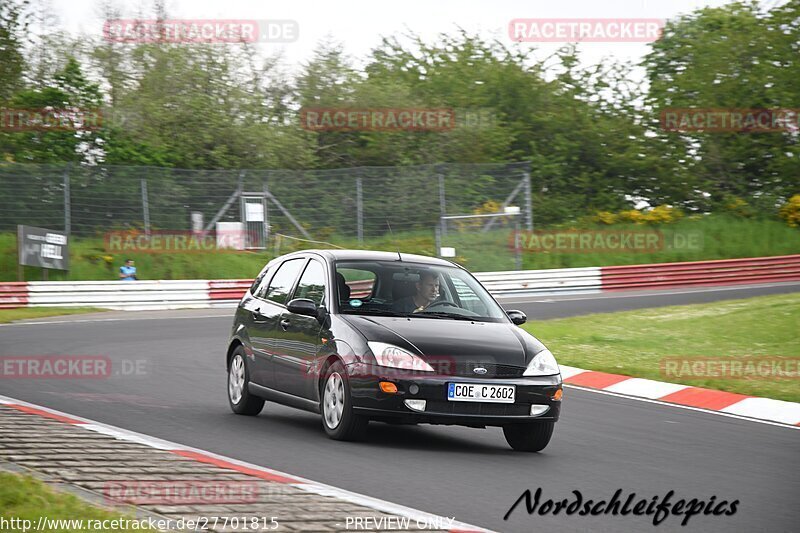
(358, 336)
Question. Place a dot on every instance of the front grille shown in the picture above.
(476, 408)
(466, 369)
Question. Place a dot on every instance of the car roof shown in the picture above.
(372, 255)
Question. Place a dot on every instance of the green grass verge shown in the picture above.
(721, 237)
(10, 315)
(26, 498)
(634, 342)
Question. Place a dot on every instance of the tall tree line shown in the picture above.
(591, 134)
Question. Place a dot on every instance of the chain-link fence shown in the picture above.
(346, 207)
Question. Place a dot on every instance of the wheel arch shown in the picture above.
(235, 343)
(329, 362)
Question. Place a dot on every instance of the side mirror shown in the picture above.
(303, 306)
(517, 317)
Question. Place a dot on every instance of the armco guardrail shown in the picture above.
(541, 281)
(701, 273)
(221, 292)
(142, 295)
(132, 295)
(14, 294)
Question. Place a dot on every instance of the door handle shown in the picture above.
(285, 324)
(257, 316)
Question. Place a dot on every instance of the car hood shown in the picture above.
(489, 342)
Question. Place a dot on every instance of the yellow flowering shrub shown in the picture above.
(739, 207)
(662, 214)
(790, 212)
(606, 217)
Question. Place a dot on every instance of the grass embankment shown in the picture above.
(720, 237)
(10, 315)
(25, 498)
(633, 343)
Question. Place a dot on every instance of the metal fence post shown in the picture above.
(67, 203)
(266, 212)
(359, 211)
(442, 204)
(528, 203)
(145, 207)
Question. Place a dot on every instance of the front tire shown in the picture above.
(532, 437)
(336, 406)
(239, 397)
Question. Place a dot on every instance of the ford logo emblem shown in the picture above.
(479, 370)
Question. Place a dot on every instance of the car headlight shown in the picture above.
(396, 357)
(543, 364)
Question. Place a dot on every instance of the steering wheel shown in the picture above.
(443, 303)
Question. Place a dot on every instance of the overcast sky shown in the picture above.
(359, 24)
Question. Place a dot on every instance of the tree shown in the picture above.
(730, 57)
(13, 24)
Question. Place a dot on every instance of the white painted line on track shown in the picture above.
(679, 406)
(783, 411)
(121, 319)
(650, 293)
(129, 436)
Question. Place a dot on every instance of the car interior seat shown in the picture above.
(344, 288)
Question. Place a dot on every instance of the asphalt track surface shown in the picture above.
(602, 442)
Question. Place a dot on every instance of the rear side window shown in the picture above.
(312, 284)
(360, 283)
(256, 288)
(281, 284)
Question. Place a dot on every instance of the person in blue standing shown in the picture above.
(127, 272)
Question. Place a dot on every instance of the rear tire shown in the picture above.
(336, 406)
(532, 437)
(239, 397)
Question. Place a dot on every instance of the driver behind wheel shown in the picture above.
(427, 291)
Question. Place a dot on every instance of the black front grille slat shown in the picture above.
(476, 408)
(466, 369)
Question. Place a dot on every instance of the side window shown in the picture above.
(360, 283)
(467, 297)
(282, 281)
(312, 284)
(256, 288)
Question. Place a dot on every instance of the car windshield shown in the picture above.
(415, 290)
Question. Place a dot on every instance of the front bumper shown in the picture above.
(370, 401)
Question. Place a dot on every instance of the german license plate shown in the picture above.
(478, 392)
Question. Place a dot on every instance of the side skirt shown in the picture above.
(283, 398)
